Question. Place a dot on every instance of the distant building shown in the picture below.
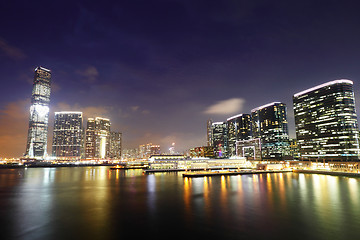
(115, 145)
(130, 153)
(269, 123)
(202, 152)
(219, 139)
(250, 148)
(97, 138)
(209, 132)
(39, 114)
(326, 122)
(146, 150)
(238, 128)
(67, 135)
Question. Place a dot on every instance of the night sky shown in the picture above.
(160, 69)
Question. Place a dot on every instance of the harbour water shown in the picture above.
(99, 203)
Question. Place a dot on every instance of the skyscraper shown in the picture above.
(219, 139)
(209, 132)
(326, 122)
(67, 135)
(115, 145)
(97, 138)
(239, 128)
(39, 114)
(269, 123)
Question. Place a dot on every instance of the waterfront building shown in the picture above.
(67, 135)
(97, 138)
(179, 162)
(250, 148)
(239, 128)
(326, 122)
(269, 123)
(146, 150)
(202, 152)
(39, 114)
(219, 139)
(130, 153)
(115, 145)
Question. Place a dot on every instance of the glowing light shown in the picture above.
(324, 85)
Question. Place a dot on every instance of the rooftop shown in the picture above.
(324, 85)
(264, 106)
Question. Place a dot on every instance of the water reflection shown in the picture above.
(97, 203)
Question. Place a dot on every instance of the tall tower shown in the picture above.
(326, 122)
(39, 114)
(67, 135)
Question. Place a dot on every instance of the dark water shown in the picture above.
(97, 203)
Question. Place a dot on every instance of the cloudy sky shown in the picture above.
(160, 69)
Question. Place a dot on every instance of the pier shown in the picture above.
(225, 173)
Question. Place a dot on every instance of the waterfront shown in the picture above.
(97, 203)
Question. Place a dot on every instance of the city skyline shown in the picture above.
(160, 74)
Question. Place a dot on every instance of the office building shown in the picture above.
(115, 145)
(326, 122)
(219, 139)
(239, 128)
(67, 136)
(209, 132)
(39, 115)
(202, 152)
(97, 138)
(269, 123)
(147, 150)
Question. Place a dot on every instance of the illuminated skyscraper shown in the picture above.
(115, 145)
(269, 123)
(219, 139)
(326, 122)
(39, 114)
(67, 135)
(97, 138)
(209, 132)
(238, 128)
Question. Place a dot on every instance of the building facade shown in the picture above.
(97, 138)
(209, 132)
(238, 128)
(68, 136)
(147, 150)
(115, 145)
(219, 139)
(326, 122)
(269, 123)
(39, 114)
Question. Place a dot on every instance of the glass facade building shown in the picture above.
(36, 146)
(67, 135)
(269, 123)
(239, 128)
(97, 138)
(115, 145)
(219, 139)
(326, 122)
